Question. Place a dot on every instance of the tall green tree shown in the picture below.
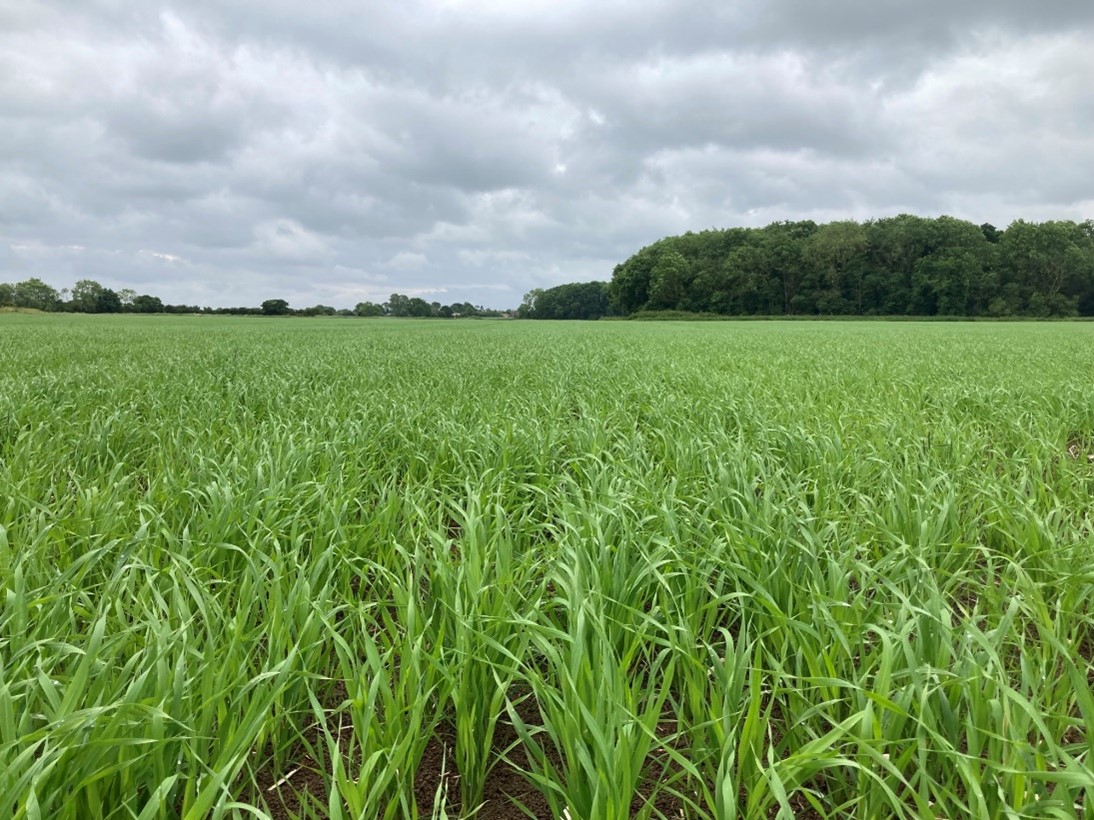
(669, 281)
(836, 254)
(579, 300)
(368, 309)
(751, 286)
(948, 279)
(147, 304)
(108, 302)
(85, 296)
(275, 307)
(527, 307)
(1051, 263)
(418, 307)
(895, 245)
(397, 305)
(34, 293)
(784, 243)
(629, 290)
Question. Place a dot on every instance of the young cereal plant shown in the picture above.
(477, 582)
(396, 684)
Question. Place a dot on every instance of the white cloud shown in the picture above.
(163, 257)
(406, 260)
(478, 258)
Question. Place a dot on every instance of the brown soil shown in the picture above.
(283, 794)
(302, 777)
(301, 780)
(504, 784)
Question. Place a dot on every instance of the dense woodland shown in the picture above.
(899, 266)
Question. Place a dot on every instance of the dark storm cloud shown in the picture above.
(226, 152)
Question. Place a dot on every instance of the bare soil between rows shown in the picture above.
(508, 794)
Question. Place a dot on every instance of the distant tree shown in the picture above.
(581, 300)
(397, 305)
(127, 295)
(402, 306)
(787, 273)
(948, 278)
(85, 296)
(275, 307)
(368, 309)
(34, 293)
(669, 280)
(528, 304)
(895, 244)
(752, 287)
(320, 310)
(629, 289)
(7, 294)
(941, 283)
(1052, 262)
(234, 311)
(463, 309)
(108, 302)
(147, 304)
(88, 296)
(836, 253)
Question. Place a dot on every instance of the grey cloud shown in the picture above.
(778, 100)
(223, 153)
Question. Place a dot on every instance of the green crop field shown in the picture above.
(393, 569)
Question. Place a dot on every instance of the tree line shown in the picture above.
(399, 305)
(86, 296)
(898, 266)
(89, 296)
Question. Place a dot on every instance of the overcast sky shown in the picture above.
(222, 152)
